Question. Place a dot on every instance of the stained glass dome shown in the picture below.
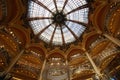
(58, 22)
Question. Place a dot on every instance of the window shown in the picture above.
(58, 22)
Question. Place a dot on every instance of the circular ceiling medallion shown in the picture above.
(58, 22)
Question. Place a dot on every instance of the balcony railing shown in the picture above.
(5, 54)
(99, 40)
(106, 53)
(78, 69)
(29, 68)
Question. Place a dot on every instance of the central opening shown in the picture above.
(59, 18)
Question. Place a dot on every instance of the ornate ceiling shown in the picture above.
(60, 24)
(26, 56)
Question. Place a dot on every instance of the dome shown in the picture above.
(58, 22)
(59, 40)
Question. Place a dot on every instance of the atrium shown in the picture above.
(59, 40)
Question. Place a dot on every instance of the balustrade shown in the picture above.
(29, 68)
(105, 53)
(5, 54)
(99, 40)
(78, 69)
(9, 31)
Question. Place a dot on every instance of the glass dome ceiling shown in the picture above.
(58, 22)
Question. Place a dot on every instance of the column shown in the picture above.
(114, 40)
(13, 63)
(93, 64)
(67, 67)
(42, 69)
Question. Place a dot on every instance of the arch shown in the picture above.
(74, 51)
(20, 33)
(98, 18)
(56, 55)
(89, 38)
(36, 47)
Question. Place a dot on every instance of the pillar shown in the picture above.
(67, 67)
(93, 64)
(13, 63)
(42, 69)
(111, 38)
